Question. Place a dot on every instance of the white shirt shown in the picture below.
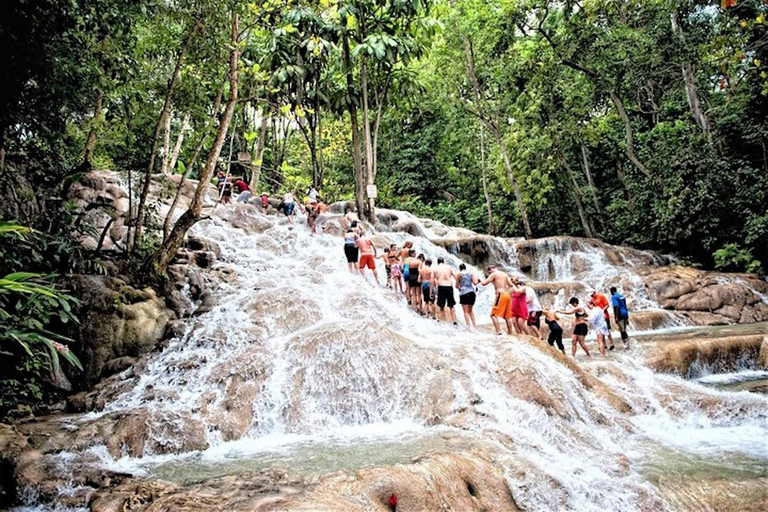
(597, 318)
(532, 299)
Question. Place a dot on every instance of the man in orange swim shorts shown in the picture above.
(501, 282)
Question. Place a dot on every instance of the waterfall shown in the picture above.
(302, 361)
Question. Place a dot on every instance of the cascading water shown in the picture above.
(303, 362)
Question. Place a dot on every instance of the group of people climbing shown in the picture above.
(314, 206)
(431, 291)
(430, 287)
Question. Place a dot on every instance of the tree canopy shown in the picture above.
(637, 122)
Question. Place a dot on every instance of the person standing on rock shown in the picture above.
(555, 331)
(367, 255)
(289, 205)
(225, 187)
(264, 202)
(444, 277)
(466, 283)
(427, 295)
(397, 272)
(391, 258)
(580, 329)
(350, 249)
(244, 191)
(597, 319)
(534, 310)
(620, 314)
(601, 301)
(414, 289)
(501, 283)
(312, 196)
(351, 216)
(518, 307)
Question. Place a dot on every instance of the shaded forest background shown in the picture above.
(638, 122)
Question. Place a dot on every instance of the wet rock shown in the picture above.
(721, 354)
(478, 250)
(12, 445)
(118, 321)
(198, 243)
(117, 365)
(94, 180)
(207, 303)
(245, 217)
(469, 482)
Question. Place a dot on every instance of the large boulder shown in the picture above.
(687, 357)
(467, 481)
(117, 321)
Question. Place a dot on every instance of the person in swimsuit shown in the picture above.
(391, 257)
(555, 331)
(580, 328)
(597, 319)
(501, 283)
(465, 283)
(312, 215)
(290, 205)
(518, 307)
(397, 275)
(350, 249)
(601, 301)
(414, 264)
(534, 310)
(425, 278)
(444, 279)
(264, 202)
(367, 255)
(225, 187)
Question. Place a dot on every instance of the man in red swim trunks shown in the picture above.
(367, 255)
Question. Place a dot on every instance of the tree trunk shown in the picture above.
(689, 78)
(499, 140)
(485, 180)
(592, 187)
(515, 187)
(177, 145)
(629, 134)
(160, 123)
(192, 161)
(259, 154)
(156, 267)
(370, 212)
(577, 198)
(166, 150)
(319, 136)
(356, 158)
(90, 144)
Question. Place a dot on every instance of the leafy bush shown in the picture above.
(734, 257)
(30, 352)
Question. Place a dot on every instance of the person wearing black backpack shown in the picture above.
(620, 314)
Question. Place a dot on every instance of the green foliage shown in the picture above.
(735, 257)
(30, 351)
(550, 77)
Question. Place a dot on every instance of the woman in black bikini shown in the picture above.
(580, 328)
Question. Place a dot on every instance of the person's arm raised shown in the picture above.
(488, 279)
